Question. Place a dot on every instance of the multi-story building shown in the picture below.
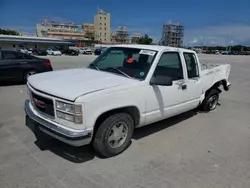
(172, 35)
(89, 30)
(135, 38)
(102, 26)
(120, 35)
(61, 30)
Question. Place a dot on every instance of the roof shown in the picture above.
(12, 38)
(152, 47)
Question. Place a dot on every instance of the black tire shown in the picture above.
(101, 143)
(27, 74)
(211, 100)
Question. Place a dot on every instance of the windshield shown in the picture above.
(129, 62)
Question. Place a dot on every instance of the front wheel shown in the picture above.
(211, 100)
(114, 135)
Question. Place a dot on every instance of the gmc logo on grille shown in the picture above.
(39, 103)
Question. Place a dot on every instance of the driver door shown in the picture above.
(167, 101)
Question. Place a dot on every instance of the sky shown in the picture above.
(206, 22)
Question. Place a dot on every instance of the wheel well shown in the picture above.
(216, 86)
(131, 110)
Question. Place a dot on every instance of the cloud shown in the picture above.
(218, 35)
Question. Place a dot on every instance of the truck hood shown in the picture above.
(72, 83)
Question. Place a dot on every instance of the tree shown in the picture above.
(8, 32)
(145, 40)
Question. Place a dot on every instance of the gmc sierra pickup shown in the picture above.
(126, 87)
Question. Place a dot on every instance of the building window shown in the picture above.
(104, 18)
(100, 23)
(100, 34)
(105, 34)
(105, 28)
(100, 18)
(105, 24)
(100, 28)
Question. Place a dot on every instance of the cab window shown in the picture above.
(191, 64)
(170, 65)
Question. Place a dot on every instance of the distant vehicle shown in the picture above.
(126, 87)
(86, 51)
(37, 51)
(224, 52)
(24, 50)
(70, 52)
(98, 51)
(217, 52)
(19, 66)
(54, 51)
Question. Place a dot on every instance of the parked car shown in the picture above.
(70, 52)
(19, 66)
(24, 50)
(104, 103)
(86, 51)
(98, 51)
(54, 51)
(40, 52)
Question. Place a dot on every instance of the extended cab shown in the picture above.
(126, 87)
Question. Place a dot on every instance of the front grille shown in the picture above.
(42, 104)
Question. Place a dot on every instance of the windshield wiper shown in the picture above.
(118, 70)
(92, 64)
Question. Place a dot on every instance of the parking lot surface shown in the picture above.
(192, 150)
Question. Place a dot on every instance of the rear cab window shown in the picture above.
(191, 64)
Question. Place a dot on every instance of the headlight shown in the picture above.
(71, 108)
(69, 112)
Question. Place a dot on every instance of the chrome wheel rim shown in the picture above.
(213, 102)
(118, 135)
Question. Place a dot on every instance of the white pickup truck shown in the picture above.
(126, 87)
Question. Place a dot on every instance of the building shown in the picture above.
(15, 42)
(135, 38)
(120, 35)
(61, 30)
(172, 35)
(102, 26)
(89, 30)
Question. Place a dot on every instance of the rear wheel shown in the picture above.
(211, 100)
(28, 74)
(114, 135)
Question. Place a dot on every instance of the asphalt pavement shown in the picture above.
(192, 150)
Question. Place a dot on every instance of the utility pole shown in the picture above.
(227, 42)
(230, 42)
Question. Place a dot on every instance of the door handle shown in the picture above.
(181, 85)
(184, 86)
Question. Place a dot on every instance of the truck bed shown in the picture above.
(205, 66)
(212, 73)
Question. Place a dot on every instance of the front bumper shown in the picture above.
(74, 138)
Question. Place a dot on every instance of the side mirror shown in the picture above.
(161, 80)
